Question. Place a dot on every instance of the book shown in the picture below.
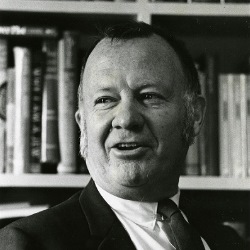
(231, 116)
(248, 125)
(10, 212)
(2, 145)
(224, 126)
(235, 130)
(22, 211)
(36, 110)
(10, 120)
(67, 102)
(3, 79)
(17, 30)
(237, 125)
(243, 124)
(22, 58)
(14, 205)
(49, 134)
(211, 119)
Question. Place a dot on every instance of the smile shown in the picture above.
(127, 146)
(129, 150)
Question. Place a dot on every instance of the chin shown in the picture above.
(130, 174)
(131, 179)
(134, 182)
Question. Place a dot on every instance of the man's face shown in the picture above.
(133, 115)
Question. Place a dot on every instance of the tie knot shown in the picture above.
(180, 233)
(167, 208)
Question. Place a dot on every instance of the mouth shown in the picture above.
(129, 150)
(127, 146)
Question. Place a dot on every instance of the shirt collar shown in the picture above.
(141, 213)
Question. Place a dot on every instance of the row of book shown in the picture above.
(203, 155)
(232, 135)
(39, 100)
(39, 75)
(234, 106)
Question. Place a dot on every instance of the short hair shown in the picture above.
(133, 29)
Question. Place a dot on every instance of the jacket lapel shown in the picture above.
(201, 221)
(106, 232)
(116, 238)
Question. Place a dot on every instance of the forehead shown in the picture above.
(150, 57)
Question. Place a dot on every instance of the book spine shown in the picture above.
(248, 125)
(3, 60)
(211, 133)
(50, 145)
(16, 30)
(36, 112)
(3, 79)
(10, 120)
(22, 58)
(243, 122)
(223, 126)
(67, 103)
(2, 145)
(231, 116)
(236, 129)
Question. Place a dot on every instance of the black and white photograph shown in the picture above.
(124, 124)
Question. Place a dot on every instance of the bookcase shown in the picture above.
(220, 27)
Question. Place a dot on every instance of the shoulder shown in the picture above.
(12, 238)
(51, 217)
(61, 225)
(218, 236)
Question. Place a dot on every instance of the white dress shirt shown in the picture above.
(140, 221)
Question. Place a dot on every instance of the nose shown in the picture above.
(128, 116)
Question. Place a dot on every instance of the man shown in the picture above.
(139, 109)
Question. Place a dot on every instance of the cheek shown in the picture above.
(167, 126)
(98, 128)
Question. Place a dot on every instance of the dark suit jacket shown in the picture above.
(85, 221)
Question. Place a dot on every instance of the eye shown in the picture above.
(104, 100)
(151, 99)
(150, 96)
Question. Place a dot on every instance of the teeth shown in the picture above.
(127, 145)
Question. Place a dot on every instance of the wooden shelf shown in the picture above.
(214, 183)
(44, 180)
(74, 7)
(79, 181)
(140, 7)
(200, 9)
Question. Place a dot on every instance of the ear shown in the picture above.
(199, 115)
(78, 118)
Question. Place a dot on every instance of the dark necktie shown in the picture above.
(181, 234)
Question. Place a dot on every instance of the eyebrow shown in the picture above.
(157, 83)
(105, 88)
